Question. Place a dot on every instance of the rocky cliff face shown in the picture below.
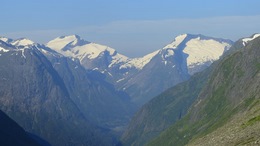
(97, 99)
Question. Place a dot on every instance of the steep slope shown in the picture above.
(12, 134)
(173, 64)
(35, 96)
(241, 43)
(163, 110)
(227, 109)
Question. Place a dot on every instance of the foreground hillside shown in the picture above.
(227, 109)
(12, 134)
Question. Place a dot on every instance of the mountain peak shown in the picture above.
(180, 38)
(70, 37)
(201, 50)
(22, 42)
(63, 42)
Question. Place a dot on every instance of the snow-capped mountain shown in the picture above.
(172, 64)
(92, 56)
(17, 42)
(201, 51)
(19, 45)
(74, 46)
(6, 45)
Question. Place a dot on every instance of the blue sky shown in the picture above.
(133, 27)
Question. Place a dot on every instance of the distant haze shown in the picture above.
(134, 28)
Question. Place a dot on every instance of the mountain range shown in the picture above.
(75, 92)
(172, 64)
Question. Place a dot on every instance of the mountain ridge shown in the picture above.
(225, 106)
(129, 62)
(128, 73)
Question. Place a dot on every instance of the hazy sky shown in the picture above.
(133, 27)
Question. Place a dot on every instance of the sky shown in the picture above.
(132, 27)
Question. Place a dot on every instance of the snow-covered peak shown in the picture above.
(66, 42)
(246, 40)
(22, 42)
(179, 39)
(91, 50)
(199, 50)
(5, 39)
(74, 46)
(204, 50)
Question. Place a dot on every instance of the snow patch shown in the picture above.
(118, 58)
(246, 40)
(23, 53)
(3, 49)
(170, 52)
(110, 74)
(120, 80)
(202, 51)
(44, 51)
